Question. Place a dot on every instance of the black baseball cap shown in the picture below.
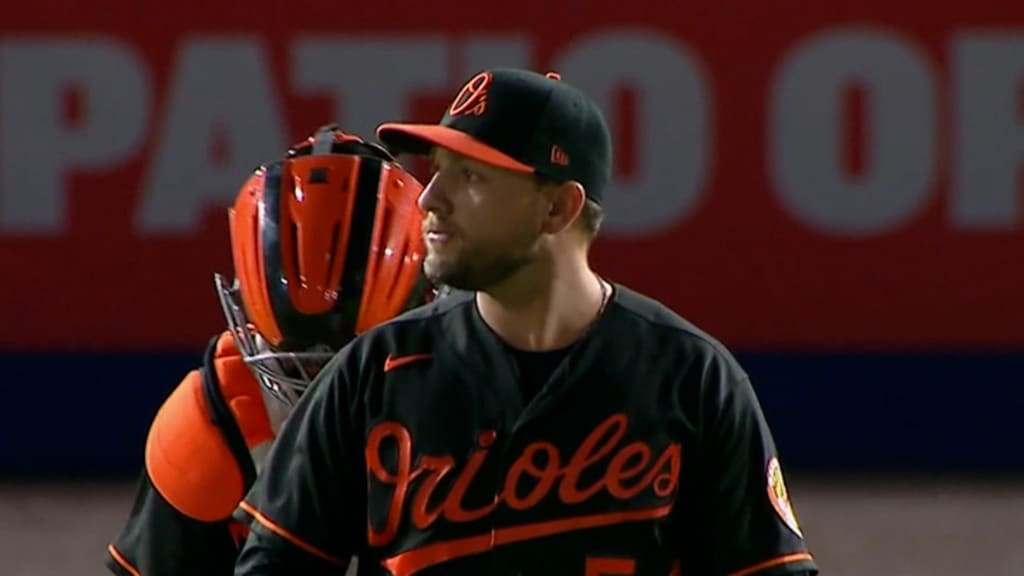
(519, 120)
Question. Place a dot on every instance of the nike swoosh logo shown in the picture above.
(393, 361)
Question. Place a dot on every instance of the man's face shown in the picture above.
(482, 223)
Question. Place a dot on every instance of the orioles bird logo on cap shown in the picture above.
(472, 99)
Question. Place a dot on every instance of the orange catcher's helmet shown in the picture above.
(326, 243)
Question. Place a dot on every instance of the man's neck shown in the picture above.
(544, 308)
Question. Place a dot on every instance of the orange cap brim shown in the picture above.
(419, 138)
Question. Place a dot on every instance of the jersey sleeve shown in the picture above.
(158, 540)
(307, 502)
(743, 522)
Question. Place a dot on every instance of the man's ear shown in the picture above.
(567, 200)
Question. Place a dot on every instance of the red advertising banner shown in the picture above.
(792, 174)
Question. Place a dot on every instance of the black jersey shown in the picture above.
(159, 540)
(644, 453)
(216, 407)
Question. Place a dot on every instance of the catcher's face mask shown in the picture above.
(326, 244)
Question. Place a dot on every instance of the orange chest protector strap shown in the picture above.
(198, 449)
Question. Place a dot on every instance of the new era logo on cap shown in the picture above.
(519, 120)
(558, 156)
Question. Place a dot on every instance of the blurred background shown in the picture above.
(832, 189)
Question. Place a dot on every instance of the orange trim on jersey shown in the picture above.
(116, 555)
(415, 560)
(772, 563)
(283, 533)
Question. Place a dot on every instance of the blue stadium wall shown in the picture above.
(86, 415)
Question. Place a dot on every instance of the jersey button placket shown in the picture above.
(497, 482)
(503, 558)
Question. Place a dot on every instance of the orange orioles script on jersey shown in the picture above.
(631, 469)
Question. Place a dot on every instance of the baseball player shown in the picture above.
(325, 244)
(540, 421)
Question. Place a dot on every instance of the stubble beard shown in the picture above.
(477, 273)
